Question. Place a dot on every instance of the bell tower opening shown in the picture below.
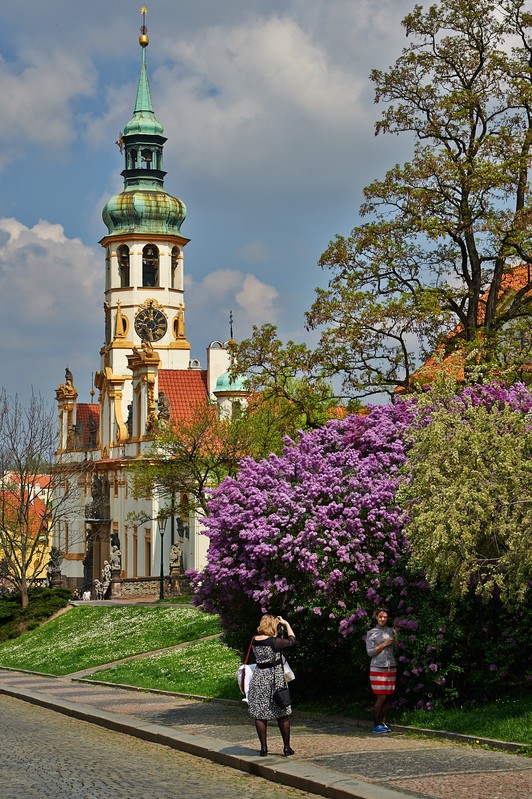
(150, 266)
(123, 266)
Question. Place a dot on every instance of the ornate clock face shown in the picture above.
(150, 323)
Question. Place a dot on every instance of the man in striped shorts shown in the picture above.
(383, 668)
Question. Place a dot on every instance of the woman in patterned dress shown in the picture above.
(267, 678)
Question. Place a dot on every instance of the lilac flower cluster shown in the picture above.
(316, 528)
(497, 395)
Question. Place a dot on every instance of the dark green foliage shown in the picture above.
(7, 609)
(327, 665)
(43, 603)
(473, 651)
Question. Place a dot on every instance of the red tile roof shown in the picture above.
(452, 360)
(43, 480)
(38, 481)
(186, 389)
(21, 512)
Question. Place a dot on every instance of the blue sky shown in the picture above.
(269, 114)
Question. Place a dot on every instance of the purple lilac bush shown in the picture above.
(317, 534)
(315, 529)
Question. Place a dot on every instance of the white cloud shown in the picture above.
(258, 300)
(50, 294)
(252, 301)
(218, 284)
(49, 290)
(37, 95)
(42, 273)
(274, 59)
(255, 94)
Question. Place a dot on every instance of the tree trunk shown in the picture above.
(24, 591)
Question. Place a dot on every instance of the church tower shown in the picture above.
(146, 381)
(144, 286)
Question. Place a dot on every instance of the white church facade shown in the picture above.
(146, 376)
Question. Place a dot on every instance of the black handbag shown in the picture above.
(281, 696)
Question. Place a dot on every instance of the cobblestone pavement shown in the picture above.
(386, 766)
(46, 754)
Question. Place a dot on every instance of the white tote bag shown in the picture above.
(243, 676)
(288, 673)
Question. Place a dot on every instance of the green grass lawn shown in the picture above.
(506, 719)
(207, 668)
(90, 636)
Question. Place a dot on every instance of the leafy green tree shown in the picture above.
(445, 229)
(510, 360)
(469, 492)
(196, 454)
(190, 457)
(286, 383)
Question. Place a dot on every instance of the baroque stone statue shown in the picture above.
(116, 557)
(164, 407)
(176, 551)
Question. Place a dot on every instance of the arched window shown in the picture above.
(132, 159)
(174, 267)
(150, 266)
(122, 254)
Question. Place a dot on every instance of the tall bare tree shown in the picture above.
(33, 499)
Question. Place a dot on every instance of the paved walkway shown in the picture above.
(46, 755)
(333, 758)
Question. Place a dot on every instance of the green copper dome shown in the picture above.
(224, 383)
(144, 211)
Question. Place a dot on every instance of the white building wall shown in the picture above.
(218, 362)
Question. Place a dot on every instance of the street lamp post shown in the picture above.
(161, 522)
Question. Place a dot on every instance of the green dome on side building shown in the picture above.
(224, 384)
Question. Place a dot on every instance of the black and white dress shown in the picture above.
(267, 678)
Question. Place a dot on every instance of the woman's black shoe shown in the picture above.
(263, 752)
(287, 751)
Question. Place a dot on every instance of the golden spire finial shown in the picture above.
(143, 38)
